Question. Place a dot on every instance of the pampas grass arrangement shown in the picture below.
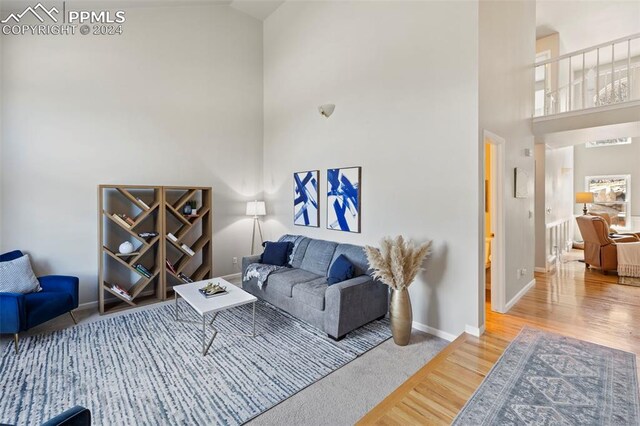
(397, 262)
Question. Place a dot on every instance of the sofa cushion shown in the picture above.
(283, 282)
(300, 244)
(45, 305)
(356, 256)
(341, 270)
(311, 293)
(318, 256)
(16, 276)
(276, 253)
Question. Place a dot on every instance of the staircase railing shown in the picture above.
(606, 74)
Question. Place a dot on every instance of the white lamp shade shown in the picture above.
(256, 208)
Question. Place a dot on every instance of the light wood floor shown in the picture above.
(572, 301)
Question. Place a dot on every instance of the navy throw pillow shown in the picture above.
(276, 253)
(341, 270)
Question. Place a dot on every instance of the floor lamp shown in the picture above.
(256, 209)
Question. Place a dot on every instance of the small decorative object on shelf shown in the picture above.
(396, 263)
(126, 248)
(212, 289)
(172, 237)
(186, 210)
(147, 234)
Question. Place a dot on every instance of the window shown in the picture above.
(611, 195)
(608, 142)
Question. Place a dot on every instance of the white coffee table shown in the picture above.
(234, 297)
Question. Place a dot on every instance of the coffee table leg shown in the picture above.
(175, 296)
(254, 320)
(205, 345)
(204, 334)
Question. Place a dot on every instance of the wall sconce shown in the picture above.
(326, 109)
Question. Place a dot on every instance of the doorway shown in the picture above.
(493, 229)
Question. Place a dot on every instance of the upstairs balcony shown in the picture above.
(602, 75)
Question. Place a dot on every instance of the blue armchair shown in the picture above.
(20, 312)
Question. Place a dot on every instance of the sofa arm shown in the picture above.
(61, 284)
(353, 303)
(248, 260)
(12, 312)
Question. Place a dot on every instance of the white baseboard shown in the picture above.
(539, 269)
(474, 331)
(232, 276)
(433, 331)
(521, 293)
(87, 305)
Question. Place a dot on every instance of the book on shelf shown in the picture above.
(185, 278)
(127, 219)
(144, 271)
(133, 253)
(172, 237)
(188, 250)
(170, 266)
(121, 291)
(143, 204)
(120, 220)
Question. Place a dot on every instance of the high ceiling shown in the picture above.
(585, 23)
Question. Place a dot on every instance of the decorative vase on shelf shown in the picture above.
(126, 247)
(396, 263)
(401, 316)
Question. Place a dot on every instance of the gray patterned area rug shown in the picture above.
(547, 379)
(144, 368)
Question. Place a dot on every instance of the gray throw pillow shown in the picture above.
(16, 276)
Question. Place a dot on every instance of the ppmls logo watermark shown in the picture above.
(42, 20)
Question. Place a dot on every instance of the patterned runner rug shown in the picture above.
(544, 379)
(629, 281)
(144, 368)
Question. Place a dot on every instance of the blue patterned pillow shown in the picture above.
(16, 276)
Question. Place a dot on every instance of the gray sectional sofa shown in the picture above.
(303, 291)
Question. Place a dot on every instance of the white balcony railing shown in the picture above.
(600, 75)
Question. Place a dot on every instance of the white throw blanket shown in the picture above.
(628, 259)
(261, 272)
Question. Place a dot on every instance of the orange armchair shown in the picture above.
(599, 248)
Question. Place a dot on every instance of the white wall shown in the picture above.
(1, 133)
(404, 78)
(559, 193)
(540, 212)
(507, 51)
(175, 100)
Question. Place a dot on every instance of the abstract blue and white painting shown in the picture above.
(343, 199)
(305, 198)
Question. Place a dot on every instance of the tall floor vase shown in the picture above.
(401, 316)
